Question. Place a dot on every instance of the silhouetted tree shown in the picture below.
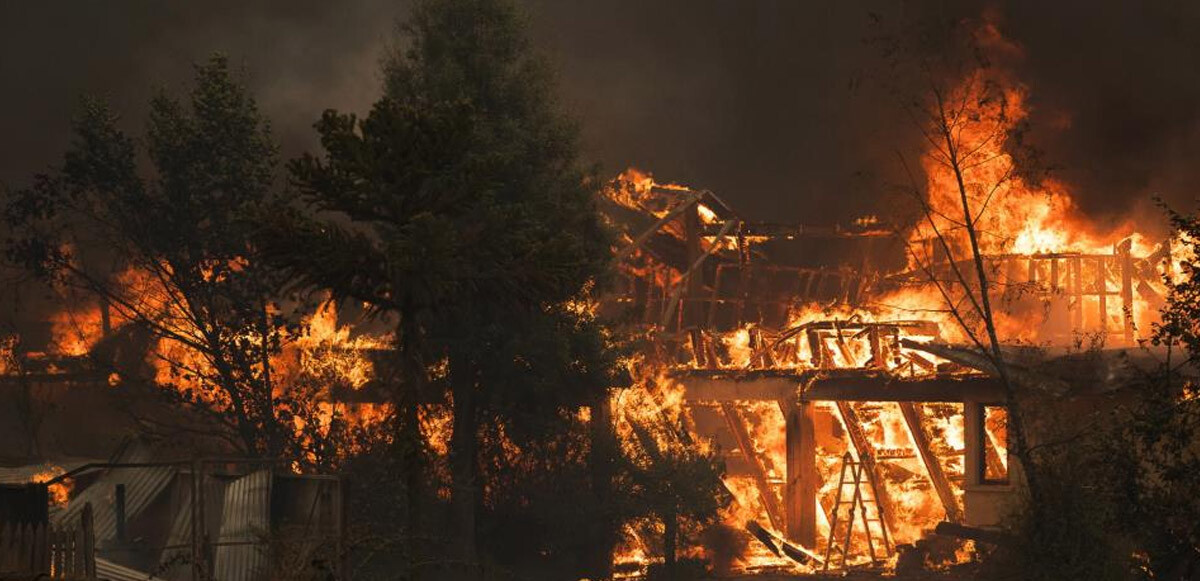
(166, 249)
(459, 204)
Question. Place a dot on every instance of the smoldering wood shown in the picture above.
(977, 534)
(780, 547)
(763, 537)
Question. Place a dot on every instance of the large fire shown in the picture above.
(318, 364)
(1058, 278)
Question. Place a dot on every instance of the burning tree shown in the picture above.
(166, 256)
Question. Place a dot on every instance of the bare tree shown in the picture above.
(964, 110)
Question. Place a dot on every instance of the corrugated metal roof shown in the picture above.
(111, 571)
(142, 486)
(26, 474)
(245, 524)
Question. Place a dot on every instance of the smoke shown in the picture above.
(771, 104)
(1116, 97)
(298, 56)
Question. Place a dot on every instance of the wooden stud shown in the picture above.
(800, 489)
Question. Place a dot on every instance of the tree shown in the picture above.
(1153, 458)
(459, 205)
(979, 169)
(983, 186)
(166, 251)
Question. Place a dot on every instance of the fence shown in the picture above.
(37, 548)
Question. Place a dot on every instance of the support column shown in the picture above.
(800, 491)
(973, 455)
(1124, 251)
(692, 313)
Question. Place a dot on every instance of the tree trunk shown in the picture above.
(413, 463)
(408, 398)
(274, 434)
(463, 462)
(1016, 429)
(670, 542)
(599, 565)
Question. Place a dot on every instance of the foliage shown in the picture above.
(459, 205)
(166, 250)
(1160, 442)
(1156, 465)
(1077, 534)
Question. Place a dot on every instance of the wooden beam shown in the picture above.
(737, 426)
(933, 467)
(717, 388)
(1077, 292)
(1124, 251)
(793, 231)
(800, 491)
(1102, 292)
(833, 386)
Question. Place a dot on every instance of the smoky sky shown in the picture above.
(772, 104)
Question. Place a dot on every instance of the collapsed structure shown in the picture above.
(831, 368)
(850, 415)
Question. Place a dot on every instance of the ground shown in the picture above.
(961, 573)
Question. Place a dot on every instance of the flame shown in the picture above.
(76, 329)
(60, 492)
(326, 355)
(1042, 251)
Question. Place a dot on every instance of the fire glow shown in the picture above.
(1058, 277)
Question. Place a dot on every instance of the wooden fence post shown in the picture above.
(88, 545)
(41, 557)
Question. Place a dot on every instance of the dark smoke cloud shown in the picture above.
(1116, 96)
(300, 57)
(770, 103)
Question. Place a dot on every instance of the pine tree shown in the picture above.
(462, 207)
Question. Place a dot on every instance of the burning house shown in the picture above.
(162, 503)
(846, 402)
(850, 416)
(862, 386)
(848, 375)
(844, 372)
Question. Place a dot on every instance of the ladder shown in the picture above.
(838, 543)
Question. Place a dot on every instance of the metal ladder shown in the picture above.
(856, 506)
